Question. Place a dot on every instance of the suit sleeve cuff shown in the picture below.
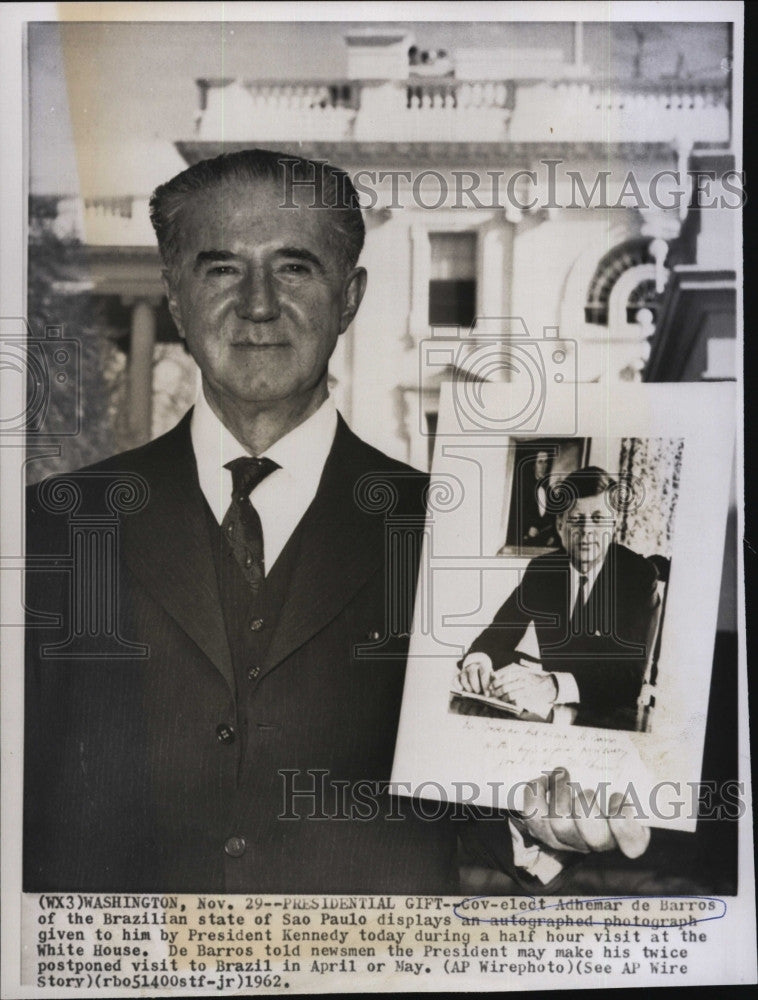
(568, 691)
(539, 862)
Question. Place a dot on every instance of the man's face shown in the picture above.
(259, 294)
(586, 531)
(540, 465)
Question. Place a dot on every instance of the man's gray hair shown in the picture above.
(329, 188)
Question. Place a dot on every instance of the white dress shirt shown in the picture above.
(283, 496)
(538, 860)
(541, 500)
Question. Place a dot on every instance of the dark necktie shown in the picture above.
(241, 524)
(579, 614)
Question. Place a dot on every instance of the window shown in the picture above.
(644, 296)
(622, 258)
(452, 284)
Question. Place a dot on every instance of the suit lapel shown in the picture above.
(340, 548)
(552, 600)
(166, 545)
(602, 597)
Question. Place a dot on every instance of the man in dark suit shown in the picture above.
(221, 714)
(534, 522)
(595, 608)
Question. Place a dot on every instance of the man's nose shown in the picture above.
(593, 529)
(257, 299)
(585, 529)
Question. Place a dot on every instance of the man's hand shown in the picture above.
(566, 819)
(523, 686)
(476, 673)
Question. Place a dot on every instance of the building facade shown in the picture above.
(507, 195)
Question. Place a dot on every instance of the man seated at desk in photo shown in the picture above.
(244, 741)
(594, 606)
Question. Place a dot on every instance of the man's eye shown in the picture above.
(294, 267)
(222, 269)
(594, 520)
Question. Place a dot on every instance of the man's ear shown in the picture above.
(355, 286)
(173, 304)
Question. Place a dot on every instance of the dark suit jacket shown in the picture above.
(127, 784)
(608, 663)
(527, 515)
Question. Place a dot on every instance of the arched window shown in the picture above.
(634, 253)
(644, 296)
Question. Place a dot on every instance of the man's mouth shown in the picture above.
(255, 346)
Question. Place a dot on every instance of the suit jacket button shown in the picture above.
(224, 733)
(253, 673)
(256, 624)
(235, 847)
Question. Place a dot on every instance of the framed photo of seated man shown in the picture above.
(594, 649)
(531, 467)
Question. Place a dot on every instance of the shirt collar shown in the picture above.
(301, 453)
(591, 574)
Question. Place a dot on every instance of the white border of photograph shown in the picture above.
(485, 761)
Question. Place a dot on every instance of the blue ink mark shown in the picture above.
(511, 917)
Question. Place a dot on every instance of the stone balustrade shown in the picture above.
(106, 221)
(444, 108)
(306, 96)
(592, 111)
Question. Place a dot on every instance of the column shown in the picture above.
(494, 288)
(140, 384)
(421, 272)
